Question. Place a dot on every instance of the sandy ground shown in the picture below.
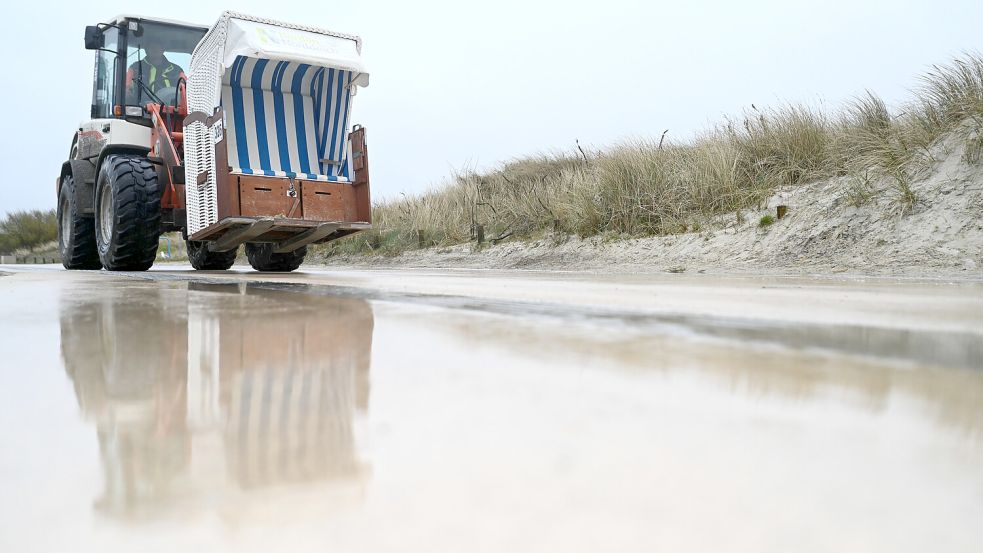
(822, 233)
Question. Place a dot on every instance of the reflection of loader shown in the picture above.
(252, 146)
(240, 388)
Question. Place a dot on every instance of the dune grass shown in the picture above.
(646, 187)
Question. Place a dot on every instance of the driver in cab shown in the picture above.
(156, 73)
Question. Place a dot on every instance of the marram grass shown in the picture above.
(644, 187)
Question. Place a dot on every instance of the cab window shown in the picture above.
(156, 60)
(104, 81)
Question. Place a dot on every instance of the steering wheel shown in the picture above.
(167, 95)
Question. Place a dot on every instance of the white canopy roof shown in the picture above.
(274, 40)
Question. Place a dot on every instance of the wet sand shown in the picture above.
(477, 411)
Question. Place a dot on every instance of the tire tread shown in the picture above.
(137, 216)
(82, 252)
(262, 258)
(203, 260)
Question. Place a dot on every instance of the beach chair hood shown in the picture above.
(253, 37)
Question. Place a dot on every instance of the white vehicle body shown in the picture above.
(94, 135)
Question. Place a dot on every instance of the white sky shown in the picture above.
(458, 83)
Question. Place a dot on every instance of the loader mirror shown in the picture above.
(94, 39)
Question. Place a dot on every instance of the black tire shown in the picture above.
(262, 258)
(76, 234)
(204, 260)
(127, 213)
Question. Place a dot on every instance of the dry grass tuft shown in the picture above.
(643, 187)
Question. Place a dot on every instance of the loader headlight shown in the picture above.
(134, 111)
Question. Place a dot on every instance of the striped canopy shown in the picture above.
(287, 119)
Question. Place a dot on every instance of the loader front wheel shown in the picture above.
(127, 213)
(262, 258)
(204, 260)
(76, 234)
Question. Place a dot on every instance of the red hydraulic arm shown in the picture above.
(167, 147)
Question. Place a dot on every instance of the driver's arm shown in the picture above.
(132, 94)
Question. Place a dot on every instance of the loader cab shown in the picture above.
(138, 61)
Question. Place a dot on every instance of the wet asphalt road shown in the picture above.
(476, 411)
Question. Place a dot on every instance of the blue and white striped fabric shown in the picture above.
(287, 119)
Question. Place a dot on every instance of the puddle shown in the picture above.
(230, 416)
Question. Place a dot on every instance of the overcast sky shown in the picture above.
(458, 83)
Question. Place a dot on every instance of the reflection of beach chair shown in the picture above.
(292, 383)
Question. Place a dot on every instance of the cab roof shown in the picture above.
(122, 18)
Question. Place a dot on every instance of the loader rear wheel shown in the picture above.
(76, 234)
(127, 213)
(204, 260)
(262, 258)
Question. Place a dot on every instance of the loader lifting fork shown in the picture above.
(253, 146)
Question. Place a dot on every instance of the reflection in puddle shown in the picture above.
(952, 349)
(791, 364)
(235, 418)
(210, 389)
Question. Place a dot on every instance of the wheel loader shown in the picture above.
(238, 134)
